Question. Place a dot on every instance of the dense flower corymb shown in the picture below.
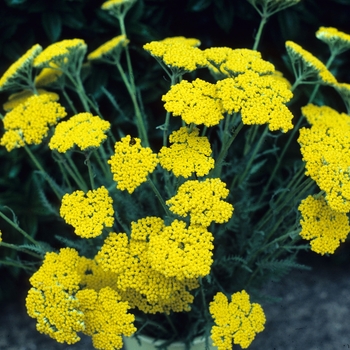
(237, 321)
(337, 41)
(202, 201)
(196, 102)
(109, 50)
(29, 122)
(131, 163)
(188, 154)
(322, 225)
(89, 213)
(83, 130)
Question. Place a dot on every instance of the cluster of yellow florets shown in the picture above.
(178, 53)
(29, 122)
(189, 154)
(202, 201)
(325, 148)
(337, 41)
(88, 213)
(322, 225)
(48, 76)
(82, 130)
(237, 321)
(131, 163)
(110, 50)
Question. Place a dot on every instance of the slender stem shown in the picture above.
(74, 173)
(171, 324)
(19, 249)
(158, 195)
(91, 173)
(71, 105)
(263, 21)
(15, 264)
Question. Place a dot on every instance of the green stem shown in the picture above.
(15, 264)
(71, 105)
(158, 195)
(171, 324)
(91, 173)
(263, 21)
(14, 247)
(74, 173)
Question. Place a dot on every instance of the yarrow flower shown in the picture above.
(19, 72)
(29, 122)
(118, 8)
(188, 154)
(201, 200)
(109, 51)
(308, 65)
(52, 301)
(131, 163)
(237, 321)
(267, 8)
(48, 76)
(82, 130)
(344, 91)
(196, 102)
(325, 148)
(88, 213)
(178, 53)
(337, 41)
(322, 225)
(259, 99)
(106, 317)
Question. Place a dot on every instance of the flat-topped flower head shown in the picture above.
(344, 91)
(259, 99)
(237, 321)
(19, 73)
(310, 67)
(29, 123)
(18, 98)
(325, 148)
(118, 8)
(52, 301)
(322, 225)
(337, 41)
(58, 55)
(189, 154)
(202, 201)
(231, 62)
(88, 213)
(131, 163)
(179, 54)
(109, 51)
(196, 102)
(83, 130)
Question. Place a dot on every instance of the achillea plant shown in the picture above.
(172, 231)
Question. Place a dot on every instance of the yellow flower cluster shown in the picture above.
(337, 41)
(260, 99)
(88, 213)
(322, 225)
(56, 54)
(0, 236)
(310, 64)
(131, 163)
(18, 98)
(196, 102)
(139, 277)
(201, 200)
(325, 148)
(29, 122)
(188, 154)
(178, 53)
(82, 130)
(112, 4)
(106, 317)
(48, 76)
(19, 69)
(232, 62)
(238, 321)
(52, 301)
(112, 47)
(344, 91)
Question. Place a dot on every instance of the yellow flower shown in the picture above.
(88, 213)
(322, 225)
(106, 318)
(111, 4)
(309, 66)
(82, 130)
(178, 53)
(0, 236)
(201, 200)
(20, 71)
(337, 41)
(52, 301)
(259, 99)
(29, 122)
(48, 76)
(237, 321)
(344, 91)
(18, 98)
(57, 54)
(131, 163)
(110, 50)
(188, 154)
(196, 102)
(325, 148)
